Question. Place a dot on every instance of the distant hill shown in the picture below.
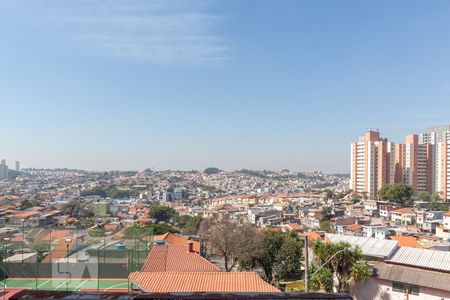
(252, 173)
(212, 170)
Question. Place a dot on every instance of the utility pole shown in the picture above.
(306, 265)
(67, 261)
(5, 246)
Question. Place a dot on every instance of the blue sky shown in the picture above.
(104, 85)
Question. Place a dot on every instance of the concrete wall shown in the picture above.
(378, 289)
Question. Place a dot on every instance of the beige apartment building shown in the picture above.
(372, 163)
(421, 162)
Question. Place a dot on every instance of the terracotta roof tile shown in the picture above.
(57, 234)
(143, 220)
(173, 239)
(176, 258)
(160, 237)
(313, 236)
(26, 214)
(404, 211)
(406, 241)
(164, 282)
(295, 226)
(354, 227)
(111, 227)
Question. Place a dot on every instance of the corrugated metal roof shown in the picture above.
(369, 246)
(424, 258)
(415, 276)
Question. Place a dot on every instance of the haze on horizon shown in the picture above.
(120, 85)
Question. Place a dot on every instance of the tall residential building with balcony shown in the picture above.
(372, 163)
(438, 139)
(423, 162)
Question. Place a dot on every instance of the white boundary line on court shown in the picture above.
(116, 285)
(64, 282)
(43, 283)
(80, 285)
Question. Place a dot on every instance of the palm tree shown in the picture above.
(341, 267)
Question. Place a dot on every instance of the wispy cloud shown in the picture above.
(163, 32)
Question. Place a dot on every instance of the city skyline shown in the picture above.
(374, 135)
(231, 84)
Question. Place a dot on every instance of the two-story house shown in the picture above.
(403, 216)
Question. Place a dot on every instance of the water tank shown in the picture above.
(119, 246)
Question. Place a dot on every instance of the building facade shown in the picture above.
(423, 162)
(372, 163)
(3, 169)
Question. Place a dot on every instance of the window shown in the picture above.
(402, 287)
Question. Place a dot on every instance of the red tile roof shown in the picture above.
(143, 220)
(295, 226)
(406, 241)
(173, 239)
(404, 211)
(313, 236)
(187, 282)
(354, 227)
(176, 258)
(26, 214)
(58, 234)
(111, 227)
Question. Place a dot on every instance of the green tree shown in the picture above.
(161, 213)
(72, 207)
(41, 249)
(324, 223)
(96, 232)
(435, 198)
(396, 192)
(329, 194)
(266, 254)
(326, 226)
(322, 280)
(116, 192)
(424, 196)
(289, 259)
(95, 191)
(138, 232)
(189, 225)
(343, 264)
(212, 170)
(437, 204)
(279, 255)
(24, 204)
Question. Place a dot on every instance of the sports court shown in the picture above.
(69, 285)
